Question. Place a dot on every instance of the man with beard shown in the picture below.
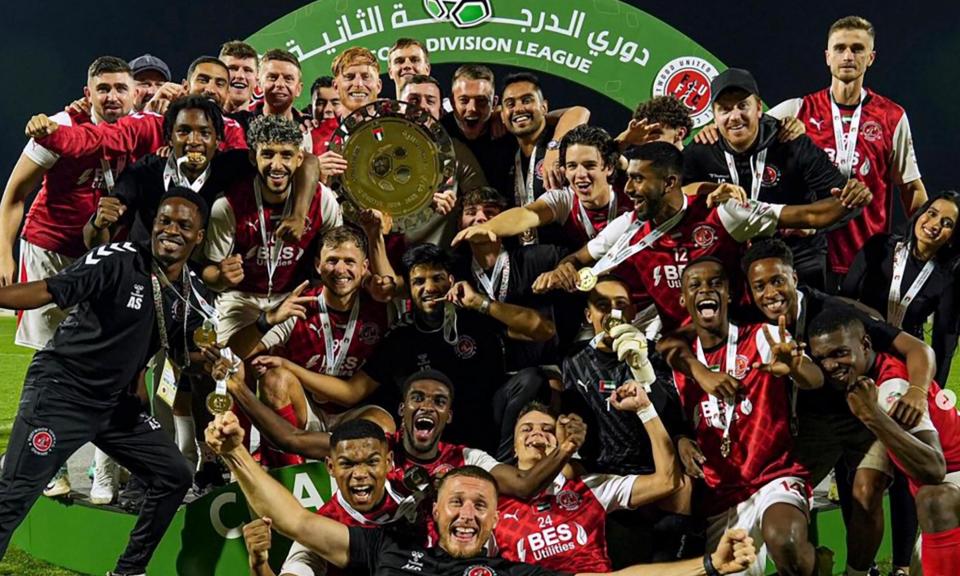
(927, 453)
(459, 332)
(52, 236)
(667, 230)
(242, 62)
(536, 165)
(281, 80)
(465, 514)
(149, 74)
(405, 59)
(750, 154)
(128, 302)
(741, 443)
(360, 457)
(828, 434)
(250, 263)
(332, 329)
(140, 134)
(474, 101)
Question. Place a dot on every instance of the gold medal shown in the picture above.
(219, 403)
(725, 447)
(586, 279)
(195, 157)
(205, 335)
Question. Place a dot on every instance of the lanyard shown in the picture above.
(846, 146)
(523, 189)
(622, 249)
(333, 361)
(450, 334)
(270, 241)
(501, 271)
(730, 367)
(158, 305)
(757, 165)
(896, 306)
(172, 173)
(585, 217)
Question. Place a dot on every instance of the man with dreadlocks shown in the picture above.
(253, 267)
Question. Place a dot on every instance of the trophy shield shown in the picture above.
(398, 156)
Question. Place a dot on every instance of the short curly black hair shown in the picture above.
(666, 110)
(273, 129)
(425, 255)
(595, 136)
(769, 248)
(209, 108)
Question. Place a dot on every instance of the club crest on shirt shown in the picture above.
(538, 170)
(568, 500)
(441, 471)
(771, 176)
(466, 347)
(704, 235)
(42, 441)
(370, 334)
(478, 570)
(872, 131)
(742, 367)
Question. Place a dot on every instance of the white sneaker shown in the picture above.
(103, 490)
(59, 485)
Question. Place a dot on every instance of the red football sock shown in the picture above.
(941, 553)
(274, 458)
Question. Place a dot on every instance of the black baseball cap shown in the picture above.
(150, 62)
(733, 78)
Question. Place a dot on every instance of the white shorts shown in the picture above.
(238, 310)
(36, 327)
(749, 516)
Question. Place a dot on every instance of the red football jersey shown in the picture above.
(72, 186)
(702, 231)
(449, 456)
(761, 446)
(294, 261)
(891, 376)
(320, 136)
(130, 137)
(884, 157)
(564, 527)
(306, 344)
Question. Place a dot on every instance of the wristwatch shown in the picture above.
(553, 144)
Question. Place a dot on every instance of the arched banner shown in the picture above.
(605, 45)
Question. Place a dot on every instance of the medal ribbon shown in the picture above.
(730, 367)
(846, 147)
(333, 361)
(501, 272)
(757, 165)
(155, 282)
(897, 307)
(622, 249)
(270, 241)
(585, 217)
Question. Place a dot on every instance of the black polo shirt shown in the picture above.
(394, 552)
(495, 156)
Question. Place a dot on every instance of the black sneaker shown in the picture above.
(132, 496)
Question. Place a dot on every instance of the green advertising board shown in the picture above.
(604, 45)
(204, 539)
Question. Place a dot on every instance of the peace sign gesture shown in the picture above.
(786, 355)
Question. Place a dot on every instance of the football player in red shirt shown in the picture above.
(865, 134)
(563, 526)
(928, 454)
(242, 62)
(743, 447)
(359, 459)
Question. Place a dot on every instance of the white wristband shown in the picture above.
(647, 413)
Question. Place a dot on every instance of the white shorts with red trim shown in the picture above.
(36, 327)
(748, 515)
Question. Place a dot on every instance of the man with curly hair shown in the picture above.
(253, 267)
(661, 118)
